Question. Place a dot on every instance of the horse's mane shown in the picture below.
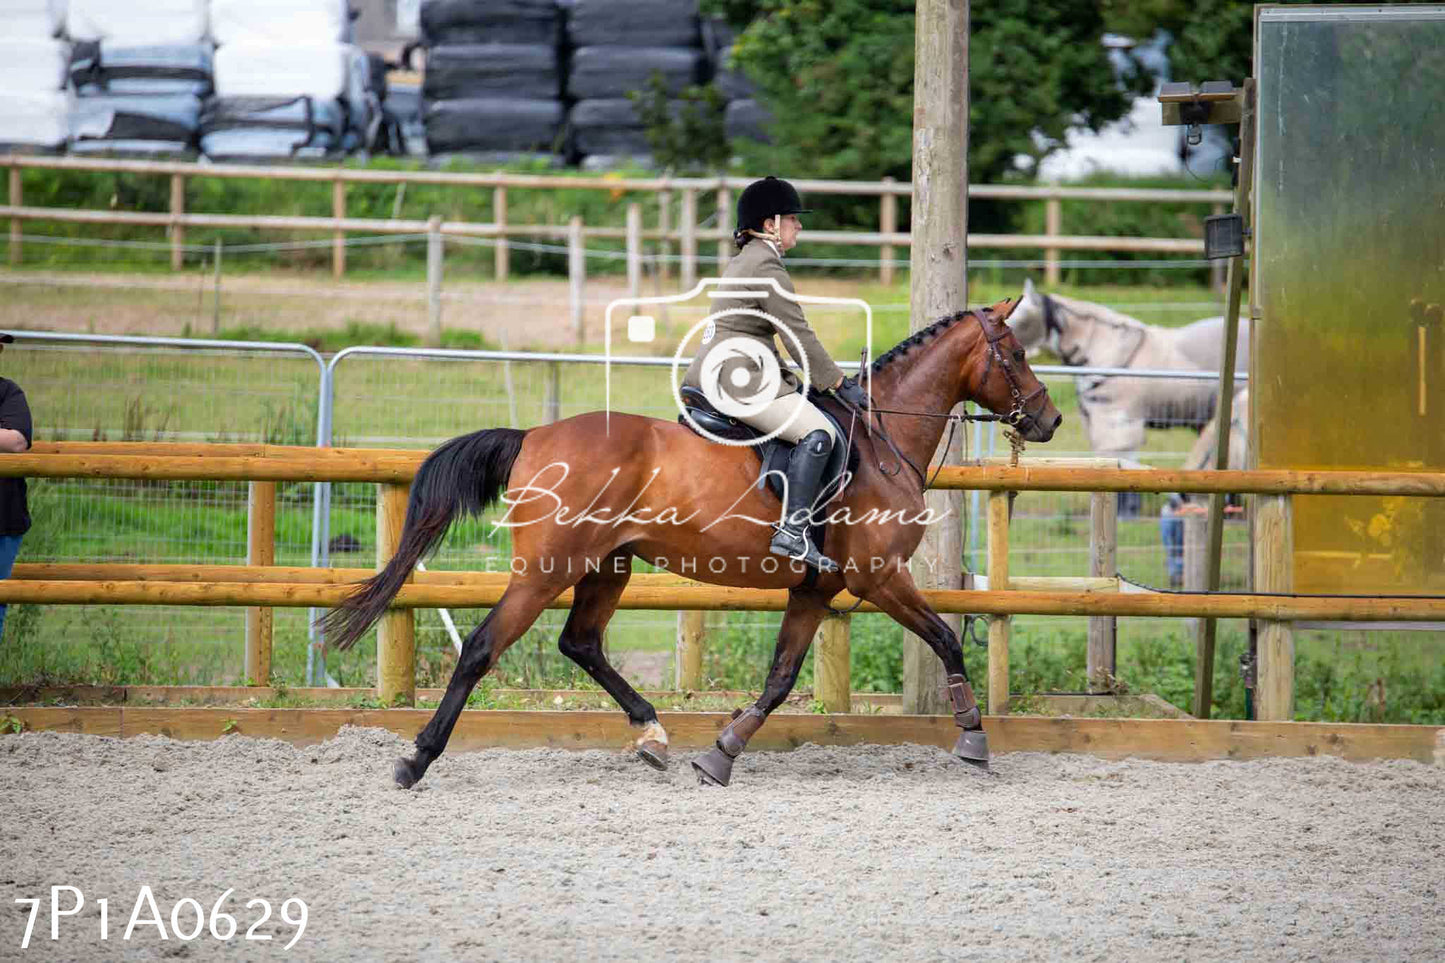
(918, 338)
(1097, 312)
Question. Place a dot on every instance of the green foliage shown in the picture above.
(686, 133)
(11, 726)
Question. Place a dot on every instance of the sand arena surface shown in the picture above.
(863, 853)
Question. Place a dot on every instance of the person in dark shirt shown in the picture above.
(15, 436)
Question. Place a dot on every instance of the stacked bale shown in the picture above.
(289, 82)
(35, 109)
(745, 116)
(616, 47)
(493, 80)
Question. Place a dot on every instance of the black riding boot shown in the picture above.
(805, 471)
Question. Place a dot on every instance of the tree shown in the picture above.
(839, 78)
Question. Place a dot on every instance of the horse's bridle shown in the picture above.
(1017, 415)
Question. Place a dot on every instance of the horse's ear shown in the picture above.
(1028, 287)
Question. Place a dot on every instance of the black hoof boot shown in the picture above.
(713, 768)
(972, 748)
(405, 773)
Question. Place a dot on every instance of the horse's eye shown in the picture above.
(1019, 356)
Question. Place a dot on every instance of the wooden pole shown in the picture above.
(832, 678)
(178, 230)
(634, 250)
(434, 261)
(1103, 563)
(998, 581)
(1224, 410)
(689, 238)
(576, 276)
(887, 224)
(338, 239)
(17, 199)
(1274, 572)
(724, 218)
(691, 639)
(396, 629)
(938, 285)
(260, 550)
(664, 227)
(502, 253)
(1053, 227)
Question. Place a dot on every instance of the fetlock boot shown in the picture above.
(805, 473)
(715, 767)
(972, 744)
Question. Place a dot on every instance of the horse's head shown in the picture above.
(1030, 319)
(1005, 384)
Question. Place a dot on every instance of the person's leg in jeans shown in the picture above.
(9, 548)
(1171, 533)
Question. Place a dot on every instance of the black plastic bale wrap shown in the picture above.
(461, 71)
(493, 124)
(731, 82)
(749, 119)
(162, 117)
(609, 72)
(641, 23)
(102, 67)
(490, 21)
(609, 126)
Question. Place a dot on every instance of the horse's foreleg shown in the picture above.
(594, 602)
(513, 614)
(899, 598)
(804, 614)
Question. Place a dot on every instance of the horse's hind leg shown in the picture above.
(804, 614)
(594, 602)
(513, 614)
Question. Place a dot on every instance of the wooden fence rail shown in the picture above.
(261, 585)
(685, 234)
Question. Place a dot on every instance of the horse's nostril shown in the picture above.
(1058, 420)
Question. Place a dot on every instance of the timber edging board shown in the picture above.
(1165, 740)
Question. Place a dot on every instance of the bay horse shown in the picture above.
(585, 497)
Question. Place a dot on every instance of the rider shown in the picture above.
(767, 228)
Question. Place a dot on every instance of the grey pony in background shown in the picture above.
(1117, 409)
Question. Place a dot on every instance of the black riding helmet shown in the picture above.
(767, 198)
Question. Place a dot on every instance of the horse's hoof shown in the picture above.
(653, 753)
(405, 773)
(713, 768)
(972, 748)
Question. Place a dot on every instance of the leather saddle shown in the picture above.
(773, 454)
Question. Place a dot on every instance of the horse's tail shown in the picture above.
(464, 475)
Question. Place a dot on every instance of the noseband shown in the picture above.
(1019, 412)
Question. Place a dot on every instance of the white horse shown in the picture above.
(1117, 409)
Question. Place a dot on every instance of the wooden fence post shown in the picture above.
(634, 250)
(724, 218)
(502, 253)
(689, 238)
(576, 275)
(691, 637)
(260, 550)
(1274, 572)
(17, 199)
(396, 629)
(178, 231)
(664, 227)
(998, 581)
(434, 259)
(832, 673)
(1053, 226)
(338, 238)
(887, 224)
(1103, 563)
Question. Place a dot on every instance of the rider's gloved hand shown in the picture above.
(850, 391)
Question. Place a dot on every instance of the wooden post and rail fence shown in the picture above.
(260, 585)
(685, 234)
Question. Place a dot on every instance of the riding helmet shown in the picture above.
(767, 198)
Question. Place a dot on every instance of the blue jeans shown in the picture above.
(9, 548)
(1171, 532)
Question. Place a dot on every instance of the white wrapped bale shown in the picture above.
(33, 66)
(321, 71)
(260, 22)
(35, 119)
(137, 22)
(32, 19)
